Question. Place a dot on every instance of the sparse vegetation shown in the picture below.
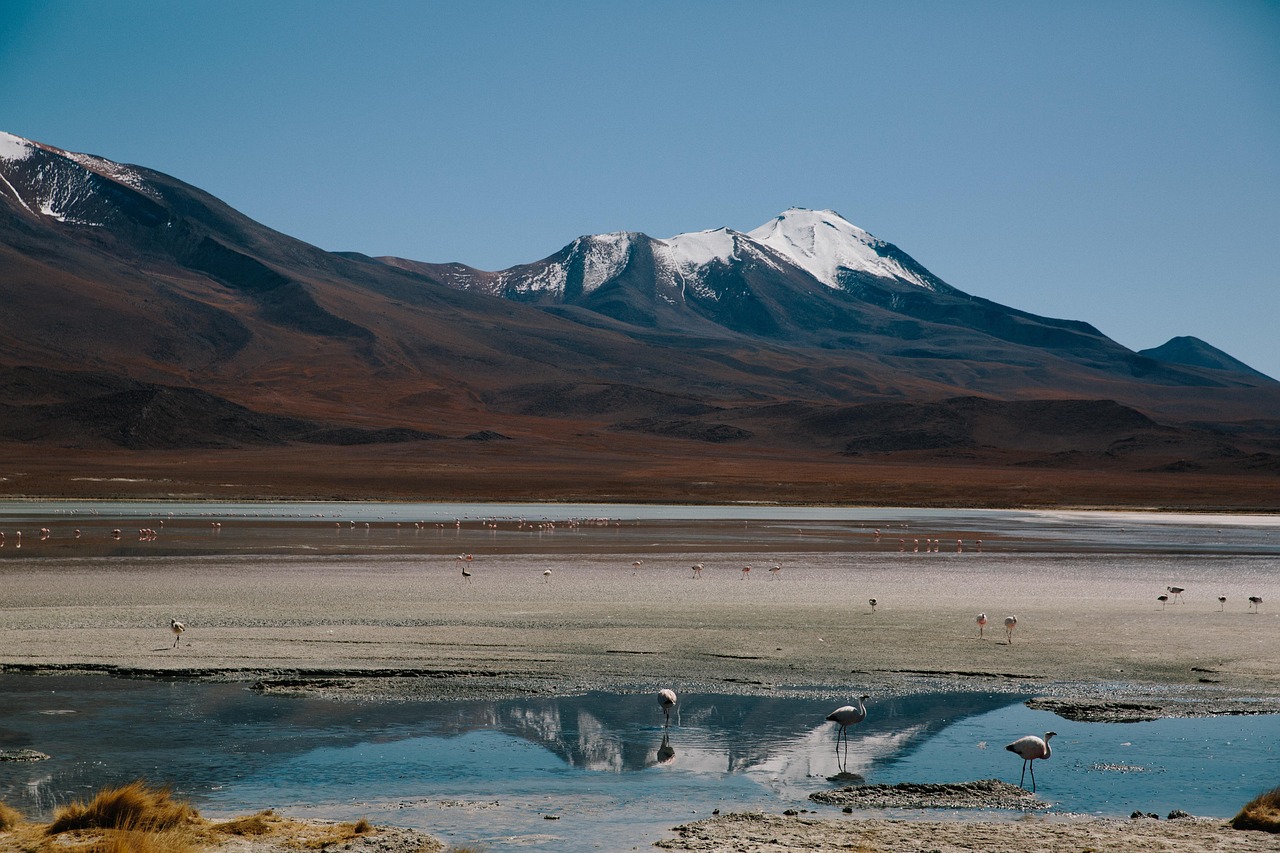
(138, 818)
(135, 807)
(9, 817)
(254, 824)
(1261, 813)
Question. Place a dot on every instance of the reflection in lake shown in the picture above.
(487, 772)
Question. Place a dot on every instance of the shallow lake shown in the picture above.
(603, 765)
(489, 773)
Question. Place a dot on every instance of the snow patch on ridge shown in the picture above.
(113, 171)
(603, 257)
(822, 242)
(14, 147)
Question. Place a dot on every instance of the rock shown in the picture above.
(1178, 814)
(22, 755)
(984, 793)
(791, 813)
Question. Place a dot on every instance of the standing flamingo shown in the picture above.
(845, 716)
(1222, 602)
(1030, 748)
(635, 567)
(1010, 622)
(546, 576)
(697, 570)
(667, 699)
(1175, 591)
(775, 572)
(1163, 599)
(177, 628)
(982, 624)
(1254, 601)
(873, 602)
(746, 572)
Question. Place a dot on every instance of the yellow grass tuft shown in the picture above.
(133, 807)
(1262, 812)
(9, 817)
(179, 840)
(254, 824)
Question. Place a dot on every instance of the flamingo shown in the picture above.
(982, 624)
(546, 576)
(1163, 599)
(873, 602)
(1254, 601)
(466, 575)
(845, 716)
(177, 628)
(1030, 748)
(697, 570)
(1010, 622)
(746, 572)
(667, 699)
(1175, 591)
(636, 566)
(1222, 602)
(775, 572)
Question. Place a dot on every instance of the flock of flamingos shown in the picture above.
(1028, 748)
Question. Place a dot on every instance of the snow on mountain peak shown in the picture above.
(14, 147)
(603, 257)
(699, 248)
(823, 242)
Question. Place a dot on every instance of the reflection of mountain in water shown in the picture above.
(102, 730)
(782, 738)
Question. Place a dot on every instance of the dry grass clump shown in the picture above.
(137, 818)
(255, 824)
(134, 807)
(305, 835)
(9, 817)
(1262, 812)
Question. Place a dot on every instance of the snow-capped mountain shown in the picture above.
(40, 179)
(134, 302)
(807, 276)
(837, 252)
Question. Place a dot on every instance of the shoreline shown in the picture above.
(394, 620)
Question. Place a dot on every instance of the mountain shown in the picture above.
(814, 280)
(141, 313)
(1194, 352)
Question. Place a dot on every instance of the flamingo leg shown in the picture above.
(1032, 762)
(1023, 780)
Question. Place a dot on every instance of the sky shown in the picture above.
(1113, 162)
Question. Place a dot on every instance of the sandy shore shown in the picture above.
(1082, 633)
(1090, 635)
(759, 833)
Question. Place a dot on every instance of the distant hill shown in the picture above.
(1194, 352)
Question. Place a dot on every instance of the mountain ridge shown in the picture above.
(118, 278)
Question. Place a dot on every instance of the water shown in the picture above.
(329, 527)
(489, 772)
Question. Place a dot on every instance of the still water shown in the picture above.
(490, 773)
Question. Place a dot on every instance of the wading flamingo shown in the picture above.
(667, 699)
(1030, 748)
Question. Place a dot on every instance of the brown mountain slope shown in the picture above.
(142, 314)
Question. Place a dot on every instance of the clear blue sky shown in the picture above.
(1115, 162)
